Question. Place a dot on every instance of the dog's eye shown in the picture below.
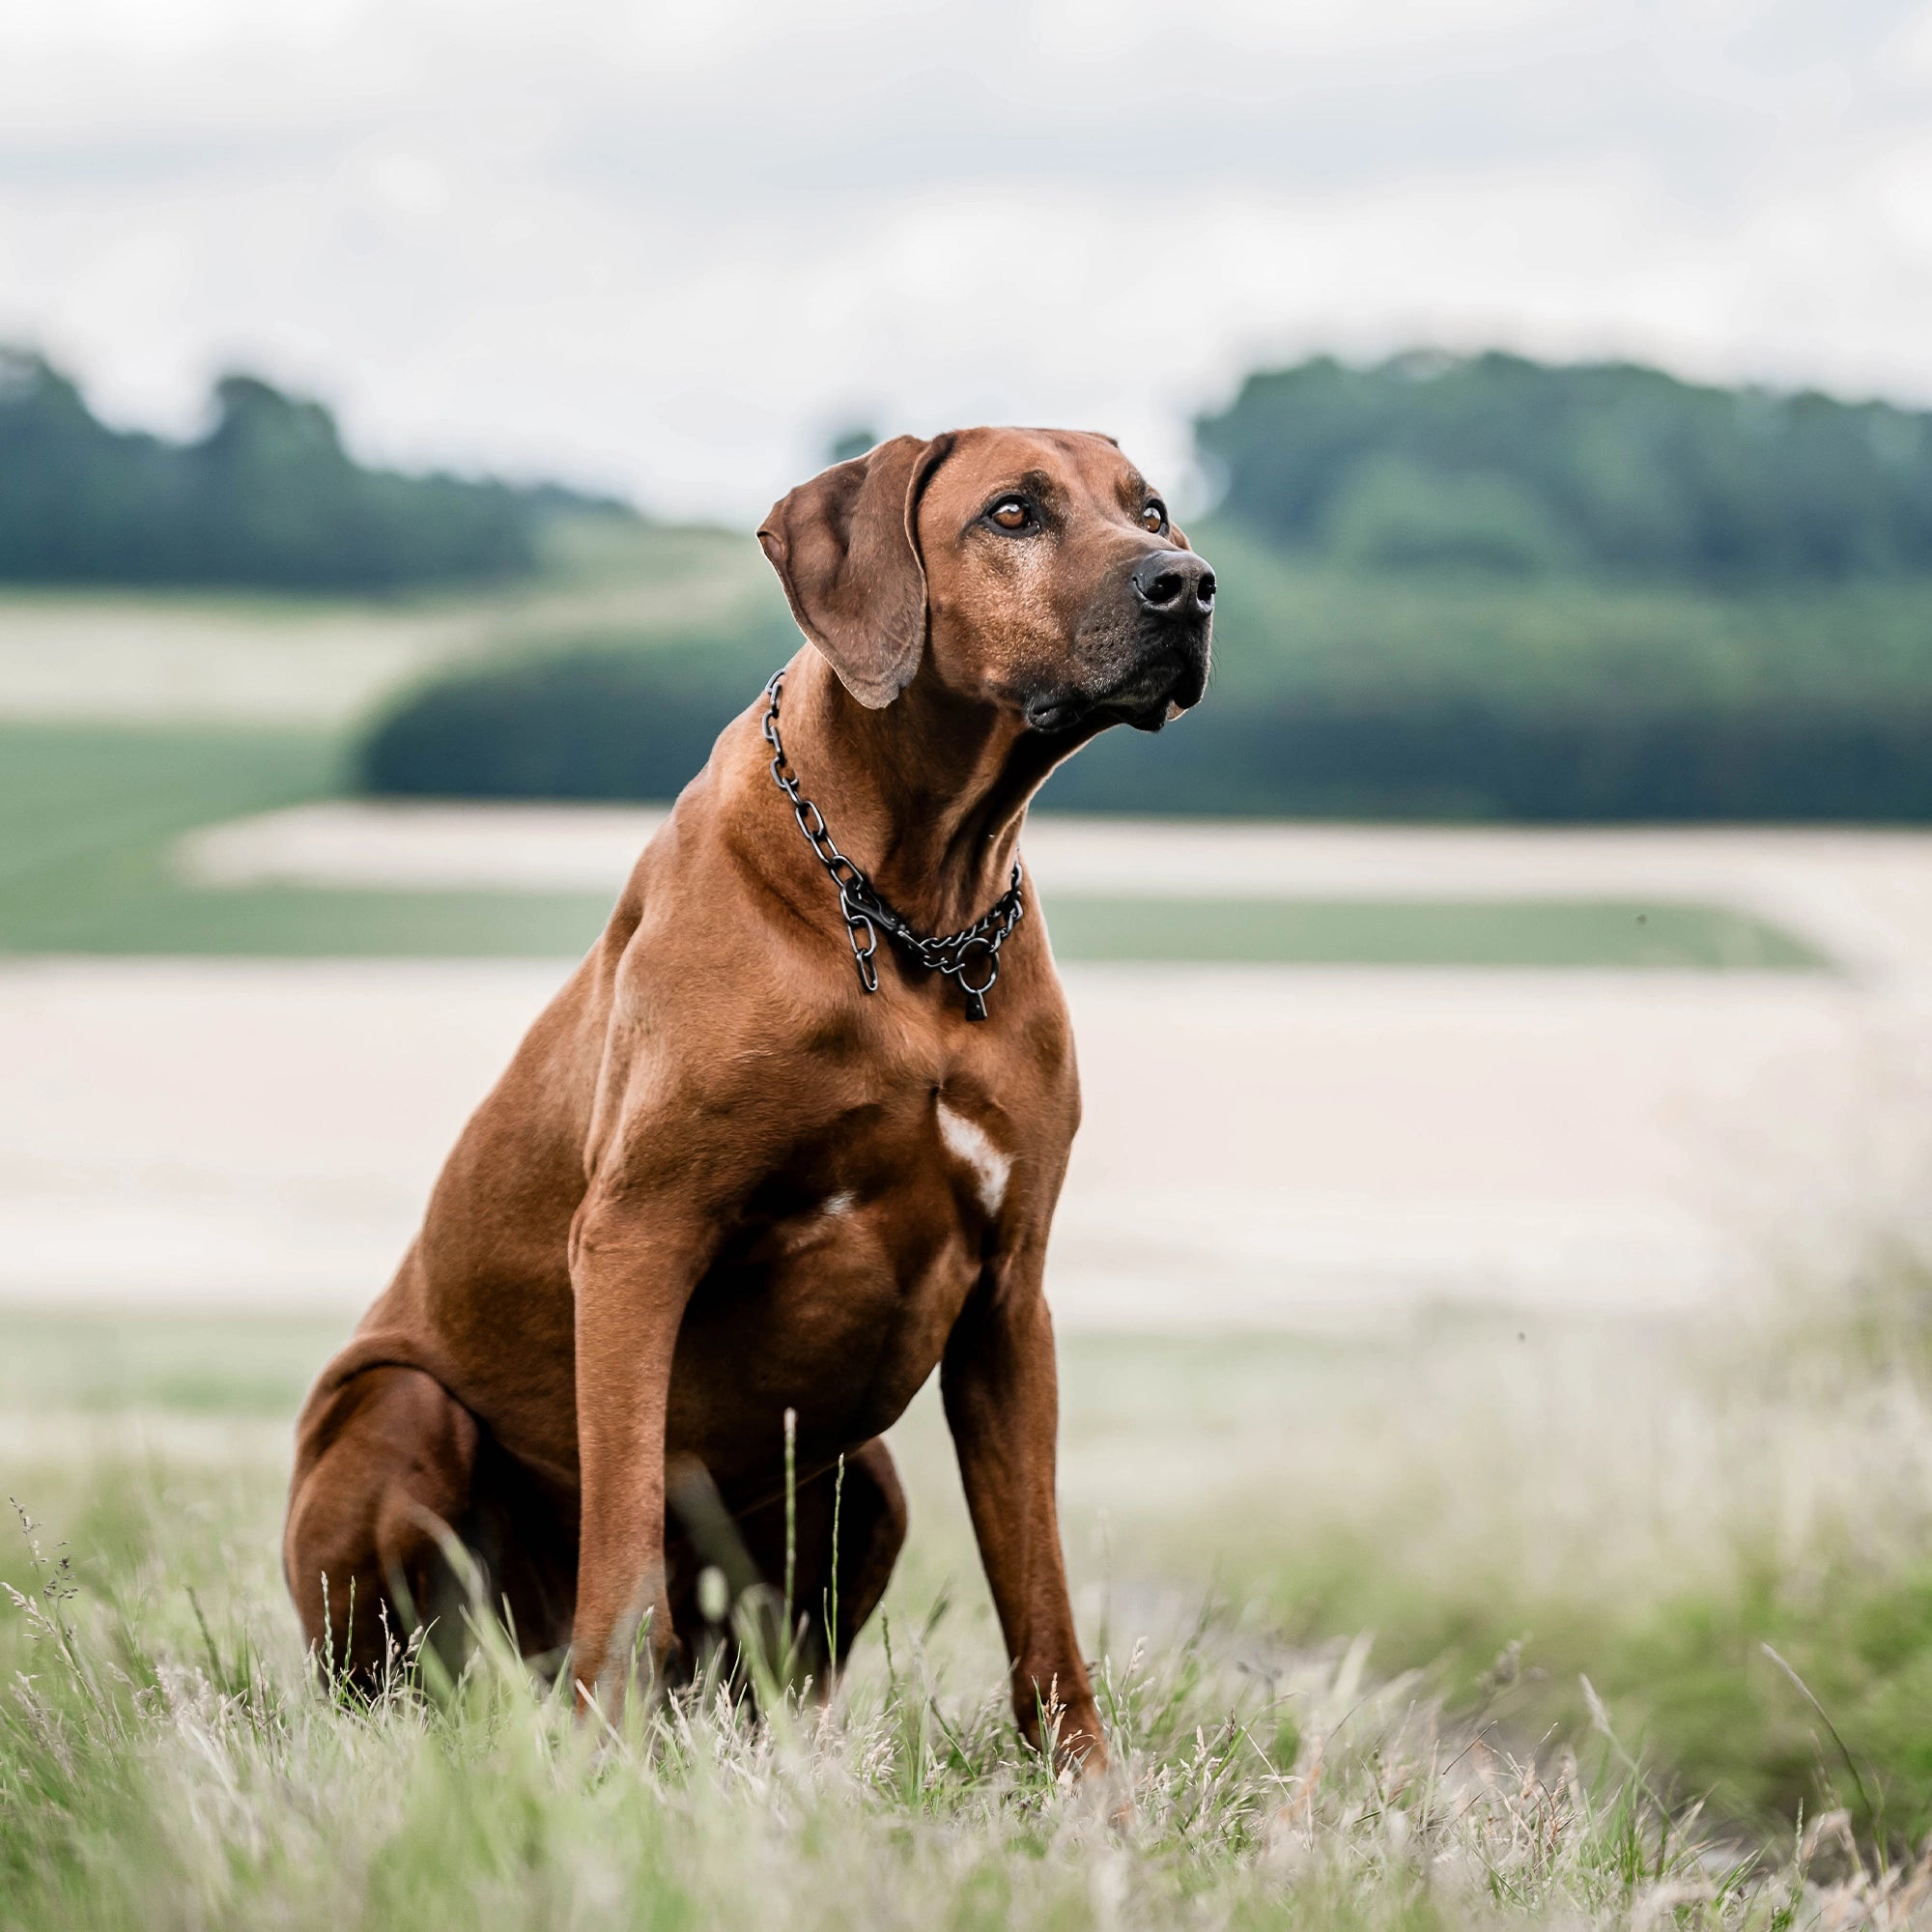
(1012, 513)
(1153, 518)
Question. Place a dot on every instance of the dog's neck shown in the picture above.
(927, 796)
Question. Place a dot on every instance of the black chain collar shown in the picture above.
(975, 949)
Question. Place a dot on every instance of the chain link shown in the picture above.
(975, 948)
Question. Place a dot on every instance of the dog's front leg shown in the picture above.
(632, 1274)
(1003, 1403)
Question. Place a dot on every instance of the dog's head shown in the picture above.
(1033, 568)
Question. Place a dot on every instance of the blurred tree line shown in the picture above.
(268, 498)
(603, 717)
(1335, 696)
(1496, 464)
(1452, 587)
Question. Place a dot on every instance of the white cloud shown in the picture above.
(668, 248)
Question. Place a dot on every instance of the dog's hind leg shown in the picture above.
(834, 1590)
(384, 1467)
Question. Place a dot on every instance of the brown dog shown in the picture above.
(723, 1179)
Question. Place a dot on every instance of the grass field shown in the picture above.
(1484, 1624)
(1421, 932)
(1345, 1597)
(88, 815)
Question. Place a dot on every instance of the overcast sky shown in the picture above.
(669, 250)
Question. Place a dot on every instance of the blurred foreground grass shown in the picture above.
(89, 816)
(1345, 1594)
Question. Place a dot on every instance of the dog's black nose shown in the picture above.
(1174, 584)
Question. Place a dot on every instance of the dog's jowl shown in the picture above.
(791, 1135)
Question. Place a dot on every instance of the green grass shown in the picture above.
(1332, 1584)
(1649, 1507)
(164, 1764)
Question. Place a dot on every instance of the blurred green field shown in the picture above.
(88, 815)
(1424, 932)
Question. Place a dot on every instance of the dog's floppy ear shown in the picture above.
(845, 546)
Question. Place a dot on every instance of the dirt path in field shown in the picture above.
(1271, 1147)
(1865, 897)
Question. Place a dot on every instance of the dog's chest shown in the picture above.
(904, 1188)
(844, 1301)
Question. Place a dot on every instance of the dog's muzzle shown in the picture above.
(1161, 640)
(1175, 592)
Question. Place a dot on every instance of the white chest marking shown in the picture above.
(841, 1203)
(967, 1143)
